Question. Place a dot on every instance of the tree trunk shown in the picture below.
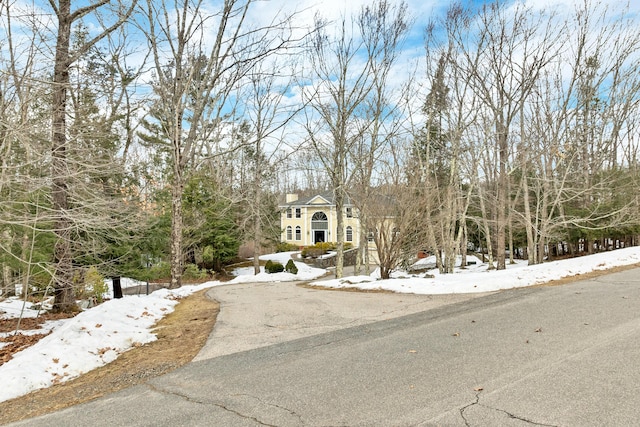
(176, 229)
(528, 220)
(339, 200)
(257, 225)
(62, 256)
(463, 243)
(7, 291)
(486, 228)
(502, 200)
(362, 242)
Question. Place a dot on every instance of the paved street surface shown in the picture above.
(559, 356)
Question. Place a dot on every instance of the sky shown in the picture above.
(98, 335)
(420, 13)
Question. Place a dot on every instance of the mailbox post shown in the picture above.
(117, 287)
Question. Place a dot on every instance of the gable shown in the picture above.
(322, 199)
(318, 200)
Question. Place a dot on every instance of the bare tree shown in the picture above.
(395, 215)
(17, 153)
(267, 112)
(195, 74)
(502, 52)
(344, 72)
(573, 131)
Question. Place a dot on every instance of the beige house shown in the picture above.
(307, 221)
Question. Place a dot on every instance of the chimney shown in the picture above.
(291, 198)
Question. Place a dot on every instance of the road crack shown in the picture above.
(246, 417)
(217, 404)
(515, 417)
(464, 408)
(173, 393)
(274, 405)
(476, 402)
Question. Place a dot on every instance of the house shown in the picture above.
(307, 221)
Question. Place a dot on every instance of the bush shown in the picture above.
(192, 272)
(286, 247)
(273, 267)
(322, 248)
(161, 270)
(316, 250)
(95, 286)
(291, 267)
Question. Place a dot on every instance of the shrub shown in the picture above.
(291, 267)
(192, 272)
(286, 247)
(273, 267)
(316, 250)
(95, 285)
(322, 248)
(161, 270)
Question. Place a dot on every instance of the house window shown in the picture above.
(319, 221)
(349, 212)
(298, 213)
(289, 233)
(349, 234)
(288, 212)
(298, 233)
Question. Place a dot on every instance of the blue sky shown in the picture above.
(420, 12)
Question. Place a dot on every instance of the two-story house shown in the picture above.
(306, 221)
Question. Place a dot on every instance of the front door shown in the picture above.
(320, 226)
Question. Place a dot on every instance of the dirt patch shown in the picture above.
(345, 289)
(181, 335)
(16, 343)
(30, 323)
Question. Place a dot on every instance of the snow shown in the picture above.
(98, 335)
(478, 278)
(305, 272)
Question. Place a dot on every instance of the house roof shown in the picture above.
(319, 199)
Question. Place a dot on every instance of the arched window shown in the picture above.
(349, 234)
(289, 233)
(298, 233)
(319, 221)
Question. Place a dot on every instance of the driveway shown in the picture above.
(258, 315)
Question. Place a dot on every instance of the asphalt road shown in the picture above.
(559, 356)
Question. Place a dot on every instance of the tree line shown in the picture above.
(154, 138)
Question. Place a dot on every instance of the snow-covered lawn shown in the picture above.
(477, 278)
(305, 272)
(98, 335)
